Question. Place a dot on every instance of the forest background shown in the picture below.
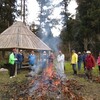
(81, 32)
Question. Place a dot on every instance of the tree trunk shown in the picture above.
(21, 9)
(24, 11)
(69, 49)
(85, 44)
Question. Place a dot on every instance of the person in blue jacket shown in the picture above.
(32, 59)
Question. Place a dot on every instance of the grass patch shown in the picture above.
(69, 71)
(8, 86)
(4, 77)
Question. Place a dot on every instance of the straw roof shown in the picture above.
(20, 36)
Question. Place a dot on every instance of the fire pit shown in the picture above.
(50, 86)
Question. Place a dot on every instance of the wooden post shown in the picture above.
(16, 64)
(15, 69)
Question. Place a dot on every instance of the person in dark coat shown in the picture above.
(51, 58)
(80, 59)
(84, 57)
(20, 59)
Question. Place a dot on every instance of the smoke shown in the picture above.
(50, 19)
(53, 43)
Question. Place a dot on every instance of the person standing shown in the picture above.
(51, 58)
(74, 60)
(20, 59)
(80, 59)
(12, 60)
(98, 62)
(32, 59)
(84, 57)
(44, 59)
(90, 64)
(60, 62)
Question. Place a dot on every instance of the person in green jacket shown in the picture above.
(12, 63)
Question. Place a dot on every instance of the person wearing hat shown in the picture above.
(12, 60)
(90, 64)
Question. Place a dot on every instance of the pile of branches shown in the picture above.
(52, 87)
(46, 86)
(66, 90)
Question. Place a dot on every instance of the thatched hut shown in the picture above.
(20, 36)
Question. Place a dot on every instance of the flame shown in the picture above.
(49, 71)
(57, 82)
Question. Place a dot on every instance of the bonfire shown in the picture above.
(49, 85)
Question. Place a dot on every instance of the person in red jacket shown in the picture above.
(90, 64)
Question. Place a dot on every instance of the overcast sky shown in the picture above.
(33, 12)
(33, 9)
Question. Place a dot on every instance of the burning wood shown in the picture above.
(50, 86)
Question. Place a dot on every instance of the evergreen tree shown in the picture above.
(83, 32)
(89, 16)
(7, 15)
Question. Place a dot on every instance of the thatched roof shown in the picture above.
(19, 36)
